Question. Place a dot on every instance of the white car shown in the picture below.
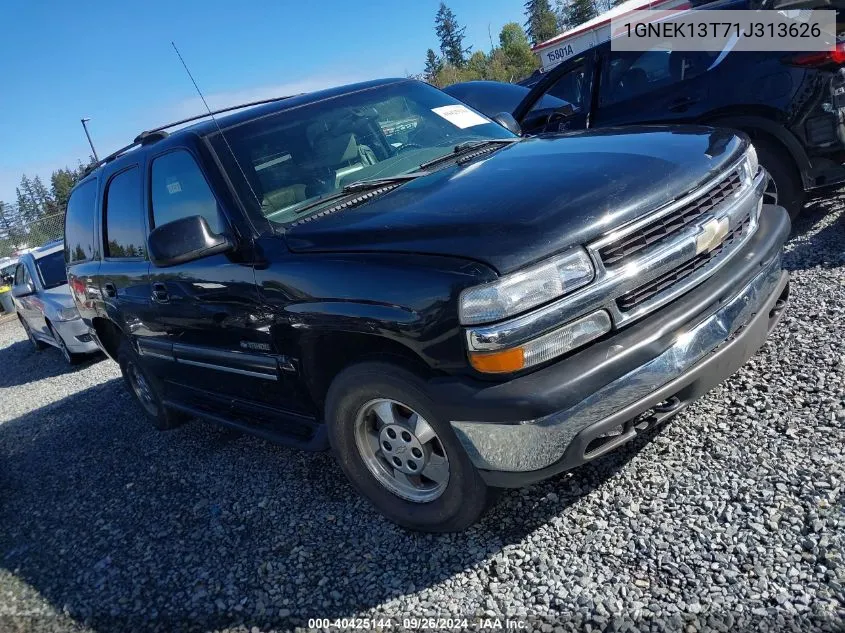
(44, 304)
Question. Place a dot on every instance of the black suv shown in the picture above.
(379, 269)
(792, 105)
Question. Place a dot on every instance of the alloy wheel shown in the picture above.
(141, 388)
(401, 450)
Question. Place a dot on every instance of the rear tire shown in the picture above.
(372, 405)
(785, 185)
(36, 344)
(146, 390)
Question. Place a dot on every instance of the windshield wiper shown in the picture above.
(359, 185)
(466, 146)
(374, 183)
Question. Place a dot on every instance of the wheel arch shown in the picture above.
(757, 126)
(326, 354)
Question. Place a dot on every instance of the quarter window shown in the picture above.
(79, 223)
(123, 228)
(179, 190)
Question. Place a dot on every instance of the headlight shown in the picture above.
(526, 289)
(750, 165)
(68, 314)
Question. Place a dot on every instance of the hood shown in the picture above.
(531, 199)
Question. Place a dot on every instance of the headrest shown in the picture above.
(336, 149)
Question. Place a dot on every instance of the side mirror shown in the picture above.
(185, 240)
(23, 290)
(506, 120)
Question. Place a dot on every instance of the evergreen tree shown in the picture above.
(541, 23)
(451, 36)
(27, 204)
(61, 182)
(11, 233)
(576, 12)
(45, 202)
(433, 64)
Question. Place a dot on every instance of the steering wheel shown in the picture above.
(402, 148)
(552, 124)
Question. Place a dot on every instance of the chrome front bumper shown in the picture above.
(734, 332)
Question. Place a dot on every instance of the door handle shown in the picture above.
(110, 289)
(683, 103)
(160, 293)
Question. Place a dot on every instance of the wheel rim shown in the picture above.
(770, 194)
(141, 388)
(401, 449)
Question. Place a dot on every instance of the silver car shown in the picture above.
(44, 305)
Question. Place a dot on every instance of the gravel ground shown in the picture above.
(728, 518)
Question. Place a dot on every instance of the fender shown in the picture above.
(777, 131)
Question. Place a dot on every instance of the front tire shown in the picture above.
(785, 186)
(70, 357)
(146, 390)
(397, 451)
(36, 344)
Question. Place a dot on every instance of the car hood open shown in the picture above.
(531, 199)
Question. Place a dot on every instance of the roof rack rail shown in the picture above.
(157, 133)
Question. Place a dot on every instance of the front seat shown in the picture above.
(339, 153)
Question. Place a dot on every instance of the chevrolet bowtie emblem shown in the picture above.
(711, 235)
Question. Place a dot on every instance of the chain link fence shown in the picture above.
(18, 233)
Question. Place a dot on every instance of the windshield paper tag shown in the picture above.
(460, 116)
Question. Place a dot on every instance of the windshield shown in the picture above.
(51, 268)
(297, 157)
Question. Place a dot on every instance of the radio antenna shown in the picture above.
(219, 130)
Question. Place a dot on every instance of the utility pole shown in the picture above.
(90, 142)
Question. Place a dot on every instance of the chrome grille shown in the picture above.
(642, 294)
(673, 223)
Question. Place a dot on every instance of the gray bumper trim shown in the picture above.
(536, 444)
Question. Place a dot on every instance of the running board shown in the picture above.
(317, 442)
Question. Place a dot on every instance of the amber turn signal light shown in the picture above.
(508, 360)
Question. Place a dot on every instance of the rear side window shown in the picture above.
(79, 223)
(629, 74)
(179, 190)
(123, 223)
(51, 269)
